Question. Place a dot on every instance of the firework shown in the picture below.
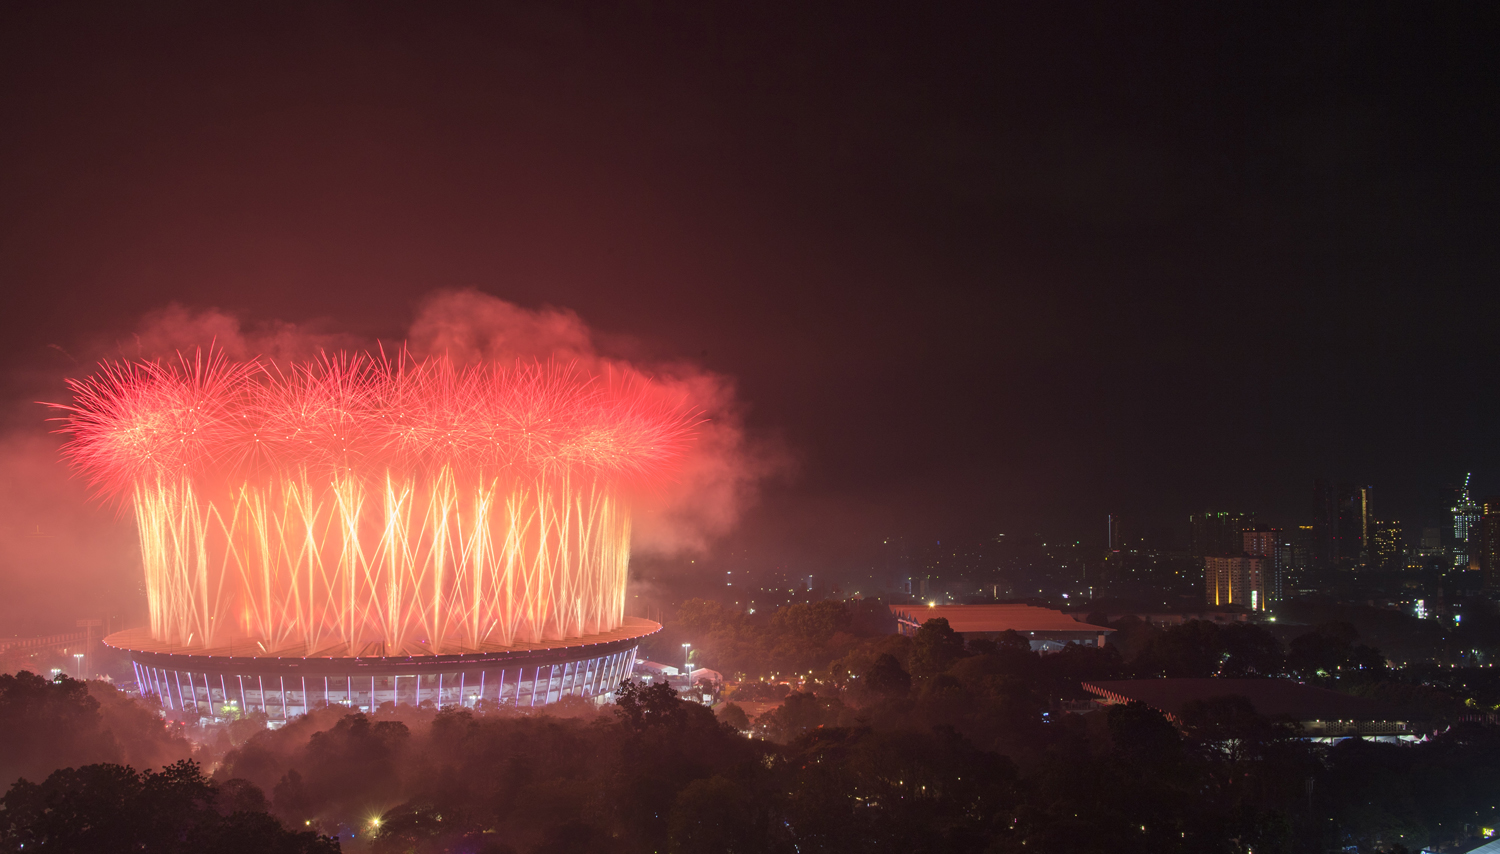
(357, 505)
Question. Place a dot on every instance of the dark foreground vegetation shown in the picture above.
(924, 744)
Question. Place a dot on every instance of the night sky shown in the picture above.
(972, 269)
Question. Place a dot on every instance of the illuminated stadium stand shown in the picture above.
(985, 621)
(228, 681)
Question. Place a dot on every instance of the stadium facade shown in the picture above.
(242, 679)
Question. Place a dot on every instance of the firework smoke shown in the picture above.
(479, 495)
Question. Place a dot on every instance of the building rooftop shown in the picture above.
(1491, 847)
(995, 618)
(1270, 697)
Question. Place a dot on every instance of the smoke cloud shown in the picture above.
(714, 481)
(717, 477)
(64, 556)
(177, 329)
(470, 326)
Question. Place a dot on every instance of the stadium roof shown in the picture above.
(1491, 847)
(1270, 697)
(140, 640)
(995, 618)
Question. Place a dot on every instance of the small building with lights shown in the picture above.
(1319, 712)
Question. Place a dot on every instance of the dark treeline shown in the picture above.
(49, 725)
(922, 744)
(109, 808)
(75, 748)
(829, 644)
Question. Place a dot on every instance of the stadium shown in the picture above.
(221, 682)
(356, 531)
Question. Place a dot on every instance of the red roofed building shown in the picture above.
(971, 621)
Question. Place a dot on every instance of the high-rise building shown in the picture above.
(1218, 533)
(1427, 549)
(1304, 548)
(1489, 543)
(1116, 540)
(1235, 580)
(1356, 506)
(1432, 540)
(1466, 516)
(1263, 541)
(1325, 524)
(1386, 553)
(1342, 513)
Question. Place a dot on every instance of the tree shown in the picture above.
(65, 722)
(1132, 636)
(945, 701)
(862, 657)
(1330, 647)
(807, 636)
(1192, 649)
(573, 837)
(733, 715)
(1141, 734)
(703, 617)
(1249, 651)
(1012, 641)
(935, 648)
(245, 726)
(721, 637)
(715, 814)
(328, 763)
(1008, 656)
(1230, 723)
(413, 828)
(1373, 795)
(48, 725)
(886, 678)
(112, 808)
(813, 623)
(860, 790)
(798, 714)
(644, 707)
(1077, 661)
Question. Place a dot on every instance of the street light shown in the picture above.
(687, 663)
(78, 657)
